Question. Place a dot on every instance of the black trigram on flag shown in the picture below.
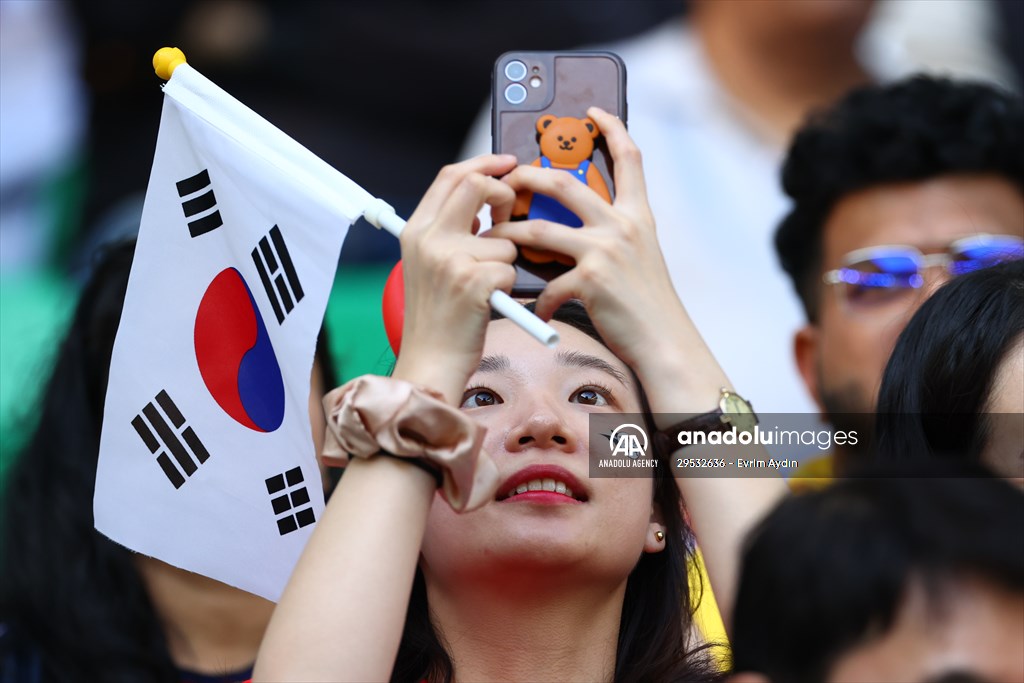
(285, 504)
(199, 202)
(275, 266)
(163, 437)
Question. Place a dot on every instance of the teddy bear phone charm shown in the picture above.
(566, 144)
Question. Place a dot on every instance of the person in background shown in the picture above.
(74, 605)
(895, 189)
(954, 385)
(911, 574)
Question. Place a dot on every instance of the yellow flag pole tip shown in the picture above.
(166, 60)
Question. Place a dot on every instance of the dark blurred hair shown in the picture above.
(912, 130)
(657, 612)
(69, 593)
(828, 570)
(940, 375)
(72, 601)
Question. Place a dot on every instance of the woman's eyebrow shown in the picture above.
(578, 359)
(497, 363)
(956, 677)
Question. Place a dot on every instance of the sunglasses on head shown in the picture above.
(876, 275)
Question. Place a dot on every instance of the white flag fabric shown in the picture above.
(206, 454)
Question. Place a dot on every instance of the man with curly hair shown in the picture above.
(895, 189)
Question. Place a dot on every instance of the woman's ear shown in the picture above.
(657, 533)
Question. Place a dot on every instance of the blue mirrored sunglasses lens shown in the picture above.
(879, 280)
(986, 254)
(886, 269)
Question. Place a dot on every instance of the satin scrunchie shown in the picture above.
(371, 414)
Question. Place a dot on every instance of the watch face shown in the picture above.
(738, 412)
(732, 403)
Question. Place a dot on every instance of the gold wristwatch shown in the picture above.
(733, 411)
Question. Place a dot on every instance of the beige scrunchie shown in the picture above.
(371, 414)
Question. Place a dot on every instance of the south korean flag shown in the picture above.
(206, 458)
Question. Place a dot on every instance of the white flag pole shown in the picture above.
(381, 215)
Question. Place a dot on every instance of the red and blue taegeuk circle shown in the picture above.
(235, 356)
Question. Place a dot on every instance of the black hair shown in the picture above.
(73, 606)
(912, 130)
(935, 390)
(69, 592)
(828, 570)
(657, 613)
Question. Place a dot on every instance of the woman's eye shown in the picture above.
(480, 398)
(590, 397)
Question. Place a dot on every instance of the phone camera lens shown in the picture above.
(515, 94)
(515, 70)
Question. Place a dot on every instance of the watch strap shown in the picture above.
(705, 422)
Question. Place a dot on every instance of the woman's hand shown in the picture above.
(450, 273)
(620, 273)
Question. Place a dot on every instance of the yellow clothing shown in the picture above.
(810, 476)
(813, 475)
(707, 617)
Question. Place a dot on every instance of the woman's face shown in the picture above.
(535, 404)
(1004, 450)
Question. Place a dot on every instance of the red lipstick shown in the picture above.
(547, 484)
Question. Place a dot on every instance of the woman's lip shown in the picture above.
(542, 498)
(528, 474)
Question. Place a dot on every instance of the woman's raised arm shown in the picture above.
(342, 614)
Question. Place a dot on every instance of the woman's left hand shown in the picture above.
(620, 273)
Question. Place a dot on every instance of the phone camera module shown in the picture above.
(515, 70)
(515, 94)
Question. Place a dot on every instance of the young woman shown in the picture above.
(954, 385)
(554, 575)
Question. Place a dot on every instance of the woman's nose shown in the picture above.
(544, 428)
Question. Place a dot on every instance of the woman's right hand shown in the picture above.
(450, 273)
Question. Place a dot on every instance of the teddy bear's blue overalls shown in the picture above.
(547, 208)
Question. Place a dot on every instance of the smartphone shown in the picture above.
(539, 104)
